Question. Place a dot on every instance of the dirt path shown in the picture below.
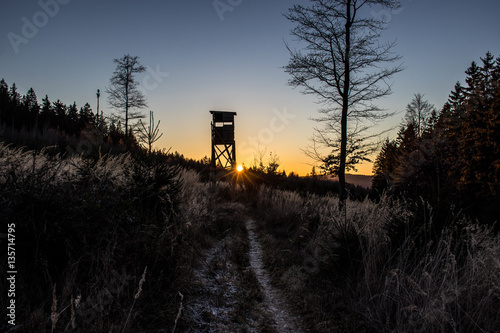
(214, 307)
(232, 291)
(273, 302)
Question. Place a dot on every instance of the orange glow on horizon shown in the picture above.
(290, 159)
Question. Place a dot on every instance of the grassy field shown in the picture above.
(125, 243)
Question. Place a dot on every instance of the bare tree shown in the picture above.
(418, 112)
(150, 134)
(124, 94)
(342, 65)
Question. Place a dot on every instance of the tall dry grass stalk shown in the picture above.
(54, 316)
(181, 307)
(75, 303)
(136, 296)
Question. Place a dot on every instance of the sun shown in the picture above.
(239, 168)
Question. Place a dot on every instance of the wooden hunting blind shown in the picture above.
(223, 144)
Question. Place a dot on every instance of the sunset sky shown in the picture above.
(201, 58)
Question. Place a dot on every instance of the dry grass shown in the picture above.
(87, 226)
(354, 275)
(449, 289)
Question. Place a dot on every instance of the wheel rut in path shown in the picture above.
(277, 308)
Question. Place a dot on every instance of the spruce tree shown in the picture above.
(4, 102)
(477, 146)
(31, 110)
(457, 97)
(407, 144)
(15, 107)
(72, 119)
(384, 166)
(15, 97)
(488, 85)
(47, 114)
(60, 113)
(86, 117)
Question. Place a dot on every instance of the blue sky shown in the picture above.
(201, 58)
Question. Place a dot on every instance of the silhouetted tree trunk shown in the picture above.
(341, 66)
(124, 94)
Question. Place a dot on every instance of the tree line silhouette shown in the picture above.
(450, 158)
(69, 129)
(24, 121)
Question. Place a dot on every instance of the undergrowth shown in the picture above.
(117, 243)
(101, 244)
(385, 267)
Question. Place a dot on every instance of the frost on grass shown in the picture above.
(213, 309)
(19, 166)
(273, 300)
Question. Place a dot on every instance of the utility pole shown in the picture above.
(97, 113)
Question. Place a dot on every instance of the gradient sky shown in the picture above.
(202, 59)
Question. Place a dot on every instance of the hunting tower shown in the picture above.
(223, 145)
